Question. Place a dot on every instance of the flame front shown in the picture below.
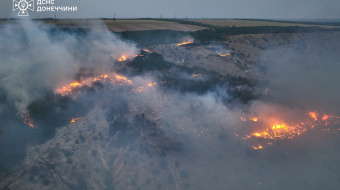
(279, 130)
(123, 58)
(74, 119)
(314, 115)
(151, 84)
(75, 88)
(28, 120)
(146, 50)
(196, 75)
(112, 78)
(257, 147)
(325, 117)
(270, 127)
(274, 129)
(185, 43)
(224, 55)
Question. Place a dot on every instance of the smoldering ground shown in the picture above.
(37, 59)
(301, 78)
(161, 130)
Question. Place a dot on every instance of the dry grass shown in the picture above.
(128, 25)
(240, 23)
(121, 25)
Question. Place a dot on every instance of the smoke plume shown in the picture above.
(161, 125)
(38, 58)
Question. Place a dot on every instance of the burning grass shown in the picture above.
(270, 127)
(185, 43)
(113, 78)
(28, 120)
(74, 119)
(274, 128)
(224, 55)
(123, 58)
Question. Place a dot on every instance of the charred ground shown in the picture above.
(123, 139)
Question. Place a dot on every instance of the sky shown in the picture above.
(267, 9)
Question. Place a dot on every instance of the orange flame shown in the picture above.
(224, 55)
(325, 117)
(185, 43)
(314, 115)
(257, 147)
(279, 131)
(274, 129)
(151, 84)
(71, 89)
(196, 75)
(75, 84)
(146, 50)
(113, 78)
(74, 119)
(28, 120)
(123, 58)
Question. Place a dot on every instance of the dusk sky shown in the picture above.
(276, 9)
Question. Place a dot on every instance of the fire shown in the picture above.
(151, 84)
(196, 75)
(314, 115)
(75, 84)
(74, 119)
(137, 55)
(185, 43)
(74, 87)
(224, 55)
(28, 120)
(279, 131)
(257, 147)
(325, 117)
(123, 79)
(112, 78)
(273, 129)
(66, 89)
(146, 50)
(123, 58)
(144, 88)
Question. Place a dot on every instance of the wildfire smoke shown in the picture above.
(273, 128)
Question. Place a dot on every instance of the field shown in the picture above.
(146, 24)
(129, 25)
(242, 23)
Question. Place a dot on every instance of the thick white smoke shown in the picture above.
(36, 58)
